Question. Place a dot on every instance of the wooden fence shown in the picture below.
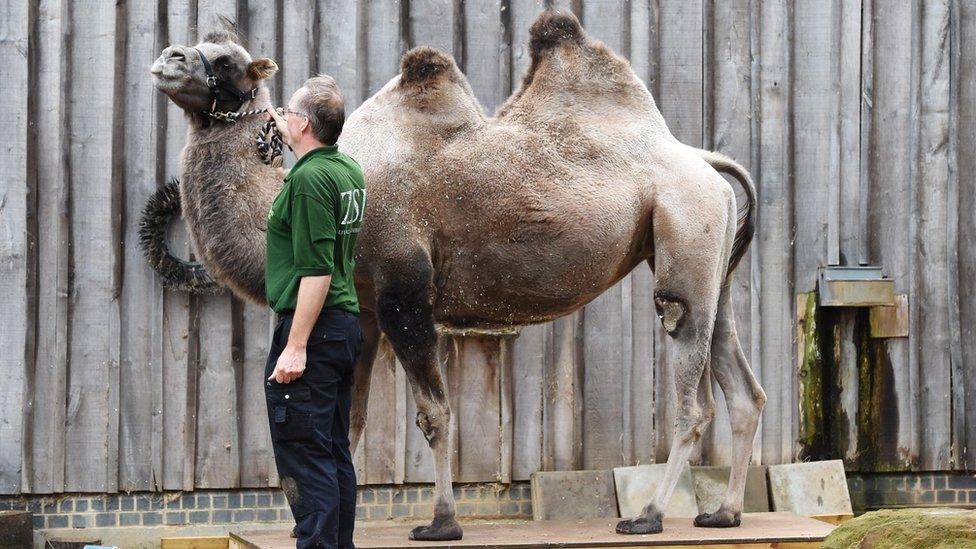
(855, 117)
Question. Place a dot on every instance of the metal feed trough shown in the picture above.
(863, 286)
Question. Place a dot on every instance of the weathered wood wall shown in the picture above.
(855, 117)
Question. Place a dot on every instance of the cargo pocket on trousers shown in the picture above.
(332, 345)
(290, 418)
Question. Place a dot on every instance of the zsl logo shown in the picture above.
(354, 206)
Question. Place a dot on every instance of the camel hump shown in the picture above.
(423, 64)
(553, 28)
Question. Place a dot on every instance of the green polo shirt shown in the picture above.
(312, 228)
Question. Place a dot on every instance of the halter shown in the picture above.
(221, 90)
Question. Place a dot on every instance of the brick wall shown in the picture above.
(264, 505)
(868, 492)
(891, 490)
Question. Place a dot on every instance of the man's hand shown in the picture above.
(290, 365)
(281, 124)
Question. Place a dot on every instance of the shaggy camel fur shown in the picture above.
(522, 218)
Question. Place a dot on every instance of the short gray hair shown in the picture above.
(323, 104)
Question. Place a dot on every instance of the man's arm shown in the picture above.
(312, 291)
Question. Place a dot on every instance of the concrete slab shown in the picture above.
(564, 495)
(636, 486)
(711, 484)
(809, 489)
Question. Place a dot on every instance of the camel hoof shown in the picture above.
(640, 525)
(446, 530)
(718, 519)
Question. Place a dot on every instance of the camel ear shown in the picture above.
(421, 65)
(260, 69)
(553, 28)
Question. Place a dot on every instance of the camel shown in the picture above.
(520, 218)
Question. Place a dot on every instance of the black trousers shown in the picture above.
(310, 429)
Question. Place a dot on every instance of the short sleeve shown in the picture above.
(313, 227)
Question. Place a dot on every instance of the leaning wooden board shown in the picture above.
(780, 530)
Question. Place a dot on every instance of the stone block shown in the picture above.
(811, 488)
(559, 495)
(711, 484)
(636, 486)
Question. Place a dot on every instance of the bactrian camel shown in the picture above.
(520, 218)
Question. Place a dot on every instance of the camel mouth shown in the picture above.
(169, 75)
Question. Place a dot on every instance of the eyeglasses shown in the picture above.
(289, 111)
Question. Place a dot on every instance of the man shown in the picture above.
(312, 230)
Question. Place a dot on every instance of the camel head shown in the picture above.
(181, 73)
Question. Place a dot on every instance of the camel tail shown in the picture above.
(746, 224)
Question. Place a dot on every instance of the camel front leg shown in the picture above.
(434, 419)
(362, 376)
(405, 310)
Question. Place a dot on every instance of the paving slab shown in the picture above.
(811, 488)
(636, 485)
(558, 495)
(711, 485)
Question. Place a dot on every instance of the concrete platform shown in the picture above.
(758, 530)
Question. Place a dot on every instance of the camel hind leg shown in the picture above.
(745, 400)
(690, 263)
(405, 312)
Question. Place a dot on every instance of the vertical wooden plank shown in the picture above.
(849, 208)
(890, 173)
(562, 441)
(53, 253)
(603, 381)
(257, 467)
(476, 362)
(486, 59)
(529, 349)
(522, 14)
(680, 52)
(379, 446)
(91, 440)
(815, 154)
(14, 28)
(964, 373)
(773, 233)
(141, 293)
(930, 274)
(338, 54)
(179, 374)
(958, 374)
(506, 409)
(608, 21)
(849, 113)
(435, 23)
(383, 27)
(643, 318)
(296, 65)
(381, 32)
(528, 355)
(217, 447)
(642, 397)
(729, 108)
(606, 350)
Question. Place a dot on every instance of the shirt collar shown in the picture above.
(320, 151)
